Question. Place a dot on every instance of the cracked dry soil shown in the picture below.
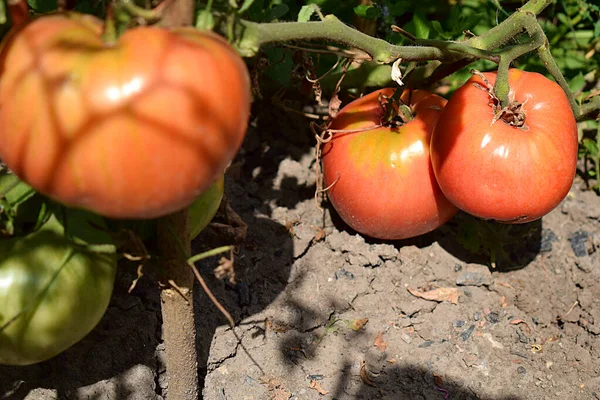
(328, 314)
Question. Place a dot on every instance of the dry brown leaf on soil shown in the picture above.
(439, 294)
(380, 343)
(520, 321)
(358, 324)
(364, 375)
(317, 386)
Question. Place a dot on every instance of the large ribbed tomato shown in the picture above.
(382, 184)
(132, 129)
(494, 170)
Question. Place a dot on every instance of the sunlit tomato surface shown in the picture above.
(498, 171)
(54, 289)
(382, 184)
(134, 129)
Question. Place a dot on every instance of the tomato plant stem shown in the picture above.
(179, 330)
(253, 35)
(507, 56)
(550, 64)
(589, 110)
(18, 11)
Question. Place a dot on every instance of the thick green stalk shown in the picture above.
(509, 28)
(331, 28)
(501, 87)
(589, 110)
(550, 64)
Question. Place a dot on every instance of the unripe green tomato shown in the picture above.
(54, 288)
(204, 208)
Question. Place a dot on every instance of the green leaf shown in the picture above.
(277, 12)
(19, 193)
(367, 12)
(597, 29)
(246, 5)
(577, 83)
(43, 6)
(422, 26)
(468, 236)
(591, 147)
(439, 29)
(400, 8)
(563, 19)
(306, 12)
(205, 20)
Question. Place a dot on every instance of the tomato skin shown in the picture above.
(135, 129)
(385, 185)
(497, 171)
(61, 288)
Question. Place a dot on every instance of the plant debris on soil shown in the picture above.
(330, 314)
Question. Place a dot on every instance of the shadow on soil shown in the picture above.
(472, 240)
(409, 383)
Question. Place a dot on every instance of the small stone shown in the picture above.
(522, 337)
(426, 343)
(493, 317)
(578, 240)
(405, 337)
(467, 333)
(477, 316)
(548, 237)
(457, 267)
(342, 273)
(473, 279)
(521, 370)
(458, 323)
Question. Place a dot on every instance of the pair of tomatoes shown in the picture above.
(399, 182)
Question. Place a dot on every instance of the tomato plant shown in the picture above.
(382, 183)
(204, 208)
(55, 285)
(132, 129)
(512, 168)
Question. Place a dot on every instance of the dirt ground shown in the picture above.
(328, 314)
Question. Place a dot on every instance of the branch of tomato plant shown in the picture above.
(251, 36)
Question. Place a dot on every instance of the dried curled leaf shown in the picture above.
(380, 343)
(317, 386)
(440, 294)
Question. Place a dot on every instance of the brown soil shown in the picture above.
(328, 313)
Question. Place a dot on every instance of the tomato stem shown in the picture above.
(507, 56)
(18, 11)
(110, 26)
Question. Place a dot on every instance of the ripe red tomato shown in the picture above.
(133, 129)
(502, 172)
(385, 186)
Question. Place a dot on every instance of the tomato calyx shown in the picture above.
(394, 112)
(513, 114)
